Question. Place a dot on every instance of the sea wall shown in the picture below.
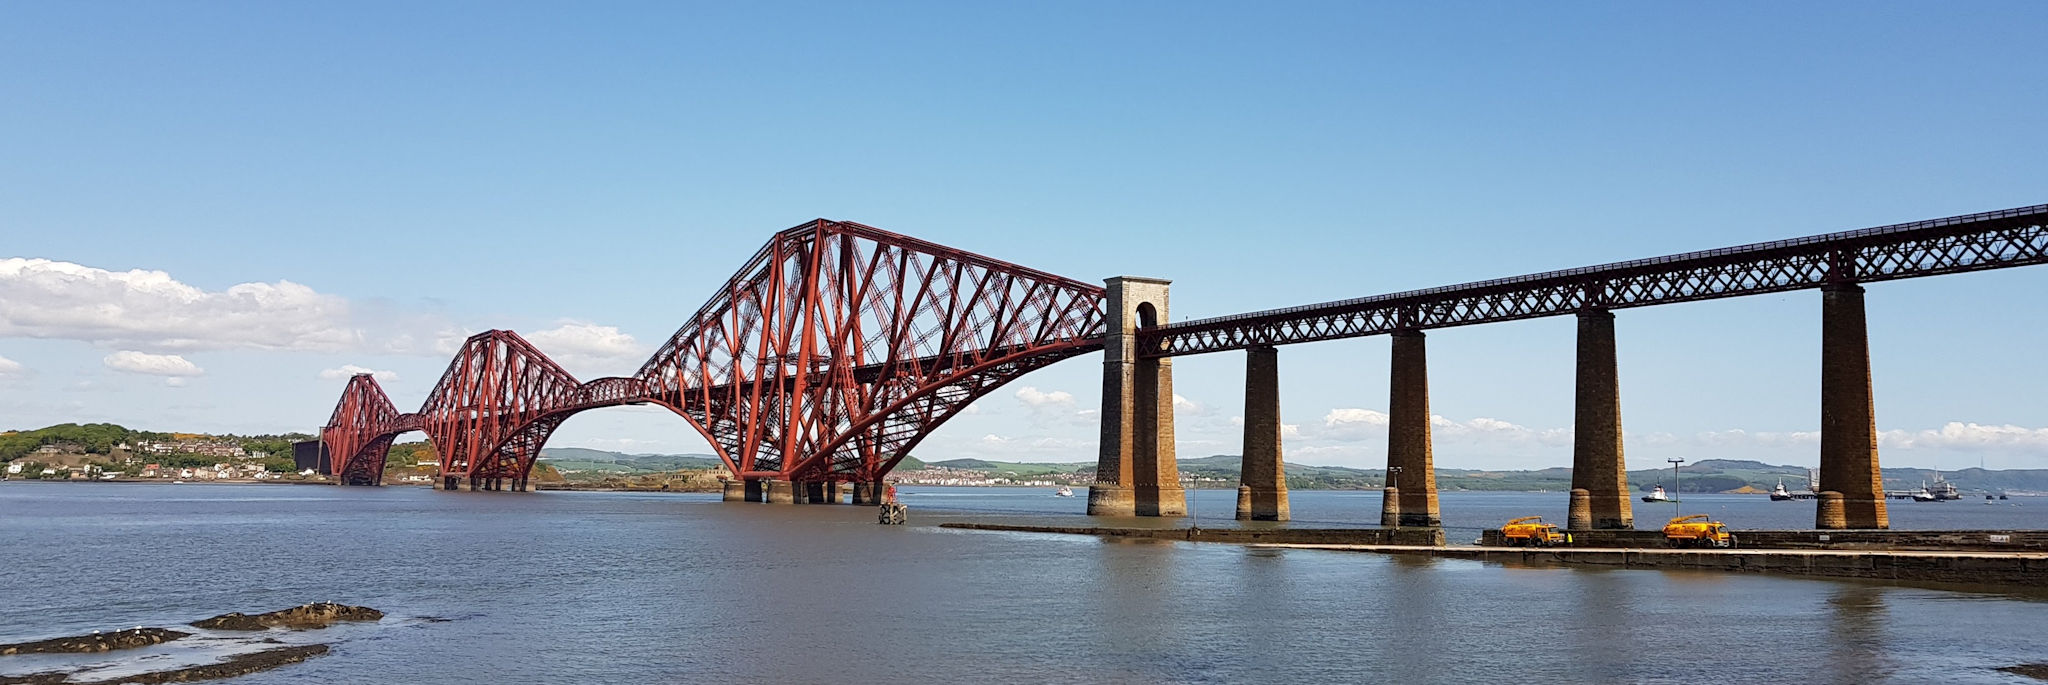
(1929, 540)
(1306, 536)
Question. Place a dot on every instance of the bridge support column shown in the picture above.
(1597, 465)
(1408, 439)
(781, 492)
(1262, 471)
(1848, 419)
(756, 491)
(735, 491)
(450, 484)
(1135, 473)
(862, 494)
(1390, 506)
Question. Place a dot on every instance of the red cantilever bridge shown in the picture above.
(839, 347)
(831, 354)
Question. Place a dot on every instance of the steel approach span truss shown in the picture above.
(1974, 242)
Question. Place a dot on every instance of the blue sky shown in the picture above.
(388, 175)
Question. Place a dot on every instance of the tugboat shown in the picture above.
(1657, 495)
(1780, 494)
(1064, 491)
(1923, 495)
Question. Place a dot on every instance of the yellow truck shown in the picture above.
(1697, 531)
(1531, 531)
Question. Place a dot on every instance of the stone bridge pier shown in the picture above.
(1599, 494)
(1852, 487)
(1135, 472)
(1263, 494)
(1412, 498)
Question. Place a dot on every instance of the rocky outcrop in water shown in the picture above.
(96, 642)
(242, 664)
(315, 615)
(2035, 671)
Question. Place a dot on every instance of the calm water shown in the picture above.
(612, 587)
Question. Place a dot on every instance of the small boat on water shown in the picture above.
(1780, 494)
(1923, 495)
(1657, 495)
(1064, 491)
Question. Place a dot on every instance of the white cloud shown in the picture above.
(175, 382)
(151, 364)
(41, 298)
(9, 367)
(1033, 398)
(583, 342)
(1340, 417)
(1969, 437)
(346, 371)
(1183, 404)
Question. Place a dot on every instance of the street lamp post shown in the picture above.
(1676, 488)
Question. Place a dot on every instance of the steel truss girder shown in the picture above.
(835, 350)
(839, 346)
(1975, 242)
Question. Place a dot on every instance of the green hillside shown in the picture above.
(1010, 467)
(1221, 470)
(568, 459)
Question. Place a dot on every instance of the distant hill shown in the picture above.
(575, 459)
(1706, 475)
(1009, 467)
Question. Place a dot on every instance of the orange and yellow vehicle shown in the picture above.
(1697, 531)
(1531, 531)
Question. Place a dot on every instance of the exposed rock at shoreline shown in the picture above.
(2035, 671)
(237, 665)
(241, 664)
(96, 642)
(315, 615)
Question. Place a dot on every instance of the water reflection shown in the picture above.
(1592, 630)
(1415, 625)
(1856, 635)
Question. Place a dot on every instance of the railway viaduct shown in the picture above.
(838, 347)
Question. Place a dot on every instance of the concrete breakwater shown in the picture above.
(2019, 567)
(1926, 540)
(2028, 569)
(1326, 536)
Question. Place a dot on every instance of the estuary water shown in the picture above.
(619, 587)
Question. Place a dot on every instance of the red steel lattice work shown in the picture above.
(828, 357)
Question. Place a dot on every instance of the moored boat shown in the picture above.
(1780, 494)
(1657, 495)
